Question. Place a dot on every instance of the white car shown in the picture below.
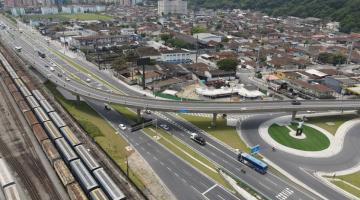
(52, 69)
(88, 80)
(67, 79)
(122, 126)
(53, 64)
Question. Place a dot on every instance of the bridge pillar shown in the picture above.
(213, 122)
(78, 98)
(293, 115)
(138, 112)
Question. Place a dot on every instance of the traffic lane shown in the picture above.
(294, 165)
(348, 157)
(154, 152)
(269, 186)
(218, 194)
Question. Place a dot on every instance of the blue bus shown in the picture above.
(253, 162)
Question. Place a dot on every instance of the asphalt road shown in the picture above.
(216, 151)
(91, 91)
(184, 181)
(303, 168)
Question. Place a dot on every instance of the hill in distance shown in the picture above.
(347, 12)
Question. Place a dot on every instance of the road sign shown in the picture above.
(255, 149)
(183, 111)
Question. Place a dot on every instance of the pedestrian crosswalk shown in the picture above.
(284, 194)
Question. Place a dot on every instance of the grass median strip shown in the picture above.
(84, 70)
(343, 185)
(222, 132)
(187, 154)
(101, 132)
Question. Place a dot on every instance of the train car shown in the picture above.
(50, 151)
(46, 106)
(8, 81)
(12, 87)
(84, 177)
(23, 106)
(52, 131)
(98, 194)
(26, 80)
(70, 136)
(24, 91)
(11, 193)
(108, 185)
(65, 150)
(75, 192)
(41, 115)
(13, 75)
(32, 102)
(63, 172)
(6, 178)
(39, 133)
(19, 83)
(30, 118)
(87, 158)
(17, 96)
(37, 94)
(59, 122)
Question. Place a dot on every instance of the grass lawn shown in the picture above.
(314, 141)
(74, 16)
(224, 133)
(353, 179)
(347, 188)
(330, 123)
(126, 112)
(102, 133)
(187, 154)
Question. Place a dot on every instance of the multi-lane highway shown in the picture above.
(164, 105)
(269, 185)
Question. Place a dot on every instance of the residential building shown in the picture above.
(205, 38)
(172, 7)
(175, 56)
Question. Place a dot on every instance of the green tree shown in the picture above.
(198, 29)
(119, 64)
(227, 64)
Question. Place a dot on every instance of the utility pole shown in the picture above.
(142, 62)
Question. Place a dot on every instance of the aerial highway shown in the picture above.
(216, 151)
(140, 102)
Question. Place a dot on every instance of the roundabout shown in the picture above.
(310, 140)
(315, 142)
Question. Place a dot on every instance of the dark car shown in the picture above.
(295, 102)
(198, 139)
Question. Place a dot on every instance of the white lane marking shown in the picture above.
(161, 163)
(284, 194)
(155, 158)
(169, 169)
(221, 197)
(265, 186)
(271, 181)
(212, 187)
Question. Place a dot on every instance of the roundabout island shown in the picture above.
(311, 139)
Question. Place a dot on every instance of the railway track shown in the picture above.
(31, 161)
(13, 161)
